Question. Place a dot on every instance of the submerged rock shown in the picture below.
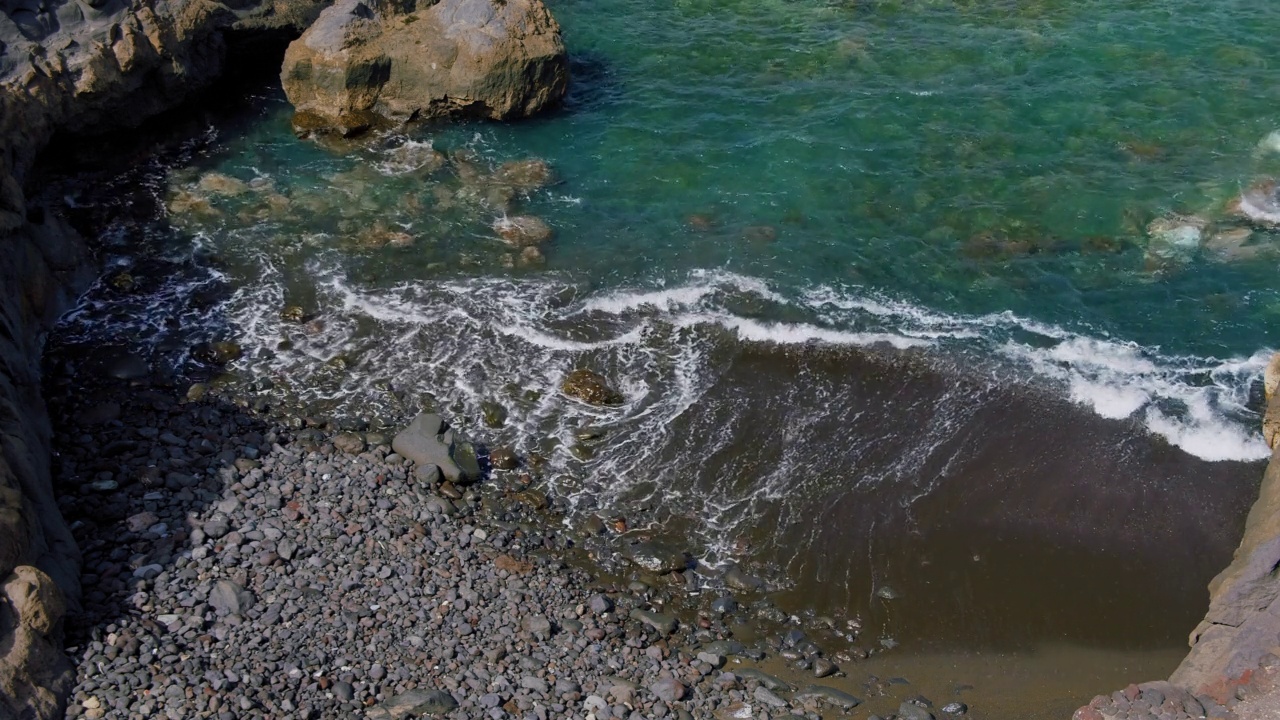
(359, 62)
(657, 558)
(524, 175)
(522, 230)
(1260, 203)
(829, 695)
(590, 387)
(1173, 240)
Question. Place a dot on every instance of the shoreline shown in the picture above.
(315, 524)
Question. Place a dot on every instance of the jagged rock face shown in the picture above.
(81, 66)
(86, 66)
(361, 63)
(1242, 627)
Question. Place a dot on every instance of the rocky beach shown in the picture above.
(237, 565)
(390, 359)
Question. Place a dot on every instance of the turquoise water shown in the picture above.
(973, 175)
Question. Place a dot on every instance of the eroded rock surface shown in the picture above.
(366, 62)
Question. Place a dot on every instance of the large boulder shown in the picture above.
(367, 61)
(430, 441)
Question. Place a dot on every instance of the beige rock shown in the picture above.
(355, 65)
(524, 176)
(36, 599)
(522, 230)
(215, 183)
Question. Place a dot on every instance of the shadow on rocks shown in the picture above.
(142, 476)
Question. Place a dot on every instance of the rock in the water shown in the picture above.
(911, 711)
(359, 62)
(823, 667)
(736, 578)
(350, 443)
(1261, 203)
(765, 679)
(657, 558)
(495, 415)
(766, 696)
(590, 387)
(228, 598)
(664, 624)
(830, 696)
(522, 230)
(503, 459)
(524, 175)
(1173, 240)
(429, 441)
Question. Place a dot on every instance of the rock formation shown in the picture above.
(1235, 650)
(362, 63)
(76, 66)
(1243, 622)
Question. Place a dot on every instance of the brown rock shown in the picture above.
(503, 459)
(760, 233)
(512, 565)
(524, 175)
(590, 387)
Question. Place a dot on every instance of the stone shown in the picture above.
(911, 711)
(765, 679)
(536, 625)
(668, 690)
(600, 604)
(229, 598)
(959, 708)
(657, 557)
(429, 441)
(664, 624)
(503, 459)
(591, 388)
(712, 659)
(767, 697)
(833, 697)
(522, 231)
(349, 443)
(736, 578)
(524, 176)
(495, 415)
(397, 61)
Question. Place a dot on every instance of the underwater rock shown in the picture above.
(468, 58)
(760, 233)
(522, 230)
(1172, 240)
(216, 183)
(1229, 245)
(591, 388)
(1261, 203)
(524, 176)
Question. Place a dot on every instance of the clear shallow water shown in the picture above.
(881, 264)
